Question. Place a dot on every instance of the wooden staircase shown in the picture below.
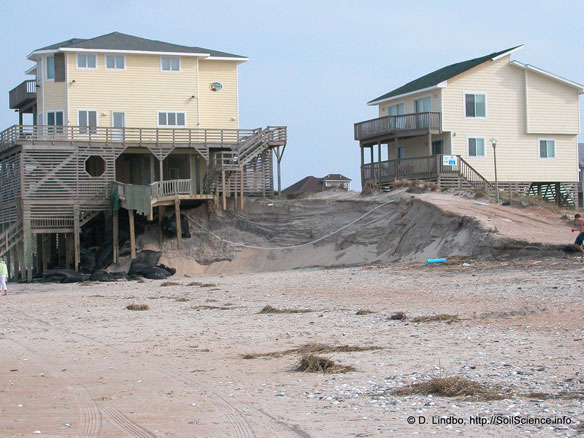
(246, 166)
(10, 237)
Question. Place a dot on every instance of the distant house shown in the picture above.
(312, 184)
(442, 127)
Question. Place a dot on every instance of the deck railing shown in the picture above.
(160, 189)
(137, 136)
(402, 124)
(23, 93)
(427, 167)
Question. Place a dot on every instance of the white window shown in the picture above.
(171, 119)
(87, 118)
(476, 146)
(423, 105)
(55, 118)
(115, 62)
(475, 105)
(396, 110)
(170, 63)
(50, 67)
(87, 61)
(547, 149)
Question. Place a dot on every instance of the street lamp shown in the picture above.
(494, 144)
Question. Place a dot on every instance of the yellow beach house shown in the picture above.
(446, 126)
(152, 123)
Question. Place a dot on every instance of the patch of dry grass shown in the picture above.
(169, 283)
(181, 299)
(454, 386)
(312, 349)
(207, 307)
(198, 283)
(311, 363)
(270, 309)
(134, 306)
(443, 317)
(364, 312)
(90, 283)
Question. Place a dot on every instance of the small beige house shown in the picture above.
(531, 115)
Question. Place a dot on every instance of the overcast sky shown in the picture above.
(313, 64)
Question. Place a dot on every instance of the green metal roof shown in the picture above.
(441, 75)
(120, 41)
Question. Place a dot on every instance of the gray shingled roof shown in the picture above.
(441, 75)
(121, 41)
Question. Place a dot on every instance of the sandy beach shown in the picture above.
(75, 362)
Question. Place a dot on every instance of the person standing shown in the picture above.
(579, 223)
(3, 275)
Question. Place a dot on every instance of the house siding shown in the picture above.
(517, 152)
(552, 106)
(140, 91)
(218, 108)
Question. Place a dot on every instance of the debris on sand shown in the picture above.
(398, 316)
(206, 307)
(181, 299)
(310, 363)
(454, 386)
(137, 306)
(443, 317)
(313, 349)
(170, 283)
(198, 283)
(364, 312)
(270, 309)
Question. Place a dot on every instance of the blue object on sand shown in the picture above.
(436, 260)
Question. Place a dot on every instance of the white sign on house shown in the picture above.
(449, 160)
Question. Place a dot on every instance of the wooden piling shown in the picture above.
(77, 237)
(132, 235)
(178, 224)
(160, 217)
(115, 238)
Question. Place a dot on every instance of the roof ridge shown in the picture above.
(442, 74)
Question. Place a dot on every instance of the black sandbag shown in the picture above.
(149, 256)
(171, 271)
(101, 275)
(139, 268)
(156, 274)
(104, 256)
(62, 276)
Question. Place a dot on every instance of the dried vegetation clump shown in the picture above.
(313, 349)
(137, 306)
(454, 386)
(270, 309)
(311, 363)
(443, 317)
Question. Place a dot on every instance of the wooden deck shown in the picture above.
(388, 127)
(430, 167)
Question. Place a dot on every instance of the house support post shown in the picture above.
(160, 217)
(430, 143)
(21, 268)
(115, 236)
(132, 235)
(235, 191)
(362, 164)
(77, 233)
(178, 224)
(241, 184)
(69, 250)
(27, 249)
(161, 169)
(379, 161)
(46, 255)
(223, 190)
(38, 259)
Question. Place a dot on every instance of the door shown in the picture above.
(118, 125)
(55, 122)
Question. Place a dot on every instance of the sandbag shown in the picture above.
(148, 256)
(101, 275)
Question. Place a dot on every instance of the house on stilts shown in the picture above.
(449, 125)
(147, 123)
